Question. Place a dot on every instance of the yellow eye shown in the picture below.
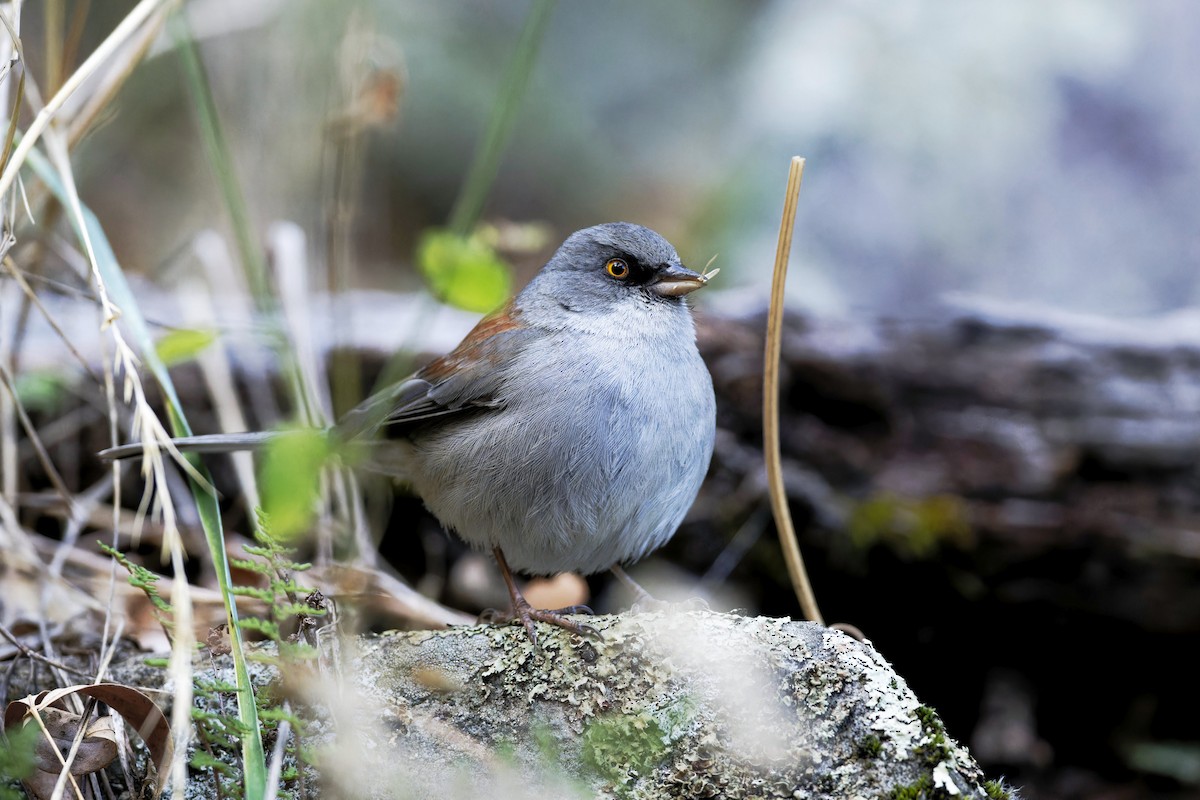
(617, 268)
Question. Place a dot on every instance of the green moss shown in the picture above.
(996, 791)
(932, 725)
(913, 791)
(616, 745)
(933, 751)
(913, 527)
(870, 746)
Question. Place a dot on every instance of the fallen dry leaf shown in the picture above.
(99, 747)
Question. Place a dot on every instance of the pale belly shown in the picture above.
(574, 477)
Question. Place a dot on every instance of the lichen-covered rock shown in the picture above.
(674, 704)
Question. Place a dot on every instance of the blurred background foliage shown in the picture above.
(1036, 152)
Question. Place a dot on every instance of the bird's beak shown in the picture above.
(676, 280)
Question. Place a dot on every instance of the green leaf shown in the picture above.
(202, 760)
(140, 578)
(485, 164)
(463, 271)
(40, 391)
(290, 480)
(17, 760)
(264, 626)
(183, 344)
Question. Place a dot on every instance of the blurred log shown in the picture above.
(1006, 432)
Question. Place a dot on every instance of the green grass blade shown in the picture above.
(469, 204)
(253, 759)
(221, 158)
(225, 170)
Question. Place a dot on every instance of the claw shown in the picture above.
(526, 614)
(575, 610)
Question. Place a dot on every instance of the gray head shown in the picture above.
(599, 267)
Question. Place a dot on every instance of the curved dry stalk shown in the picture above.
(134, 52)
(127, 27)
(779, 506)
(11, 134)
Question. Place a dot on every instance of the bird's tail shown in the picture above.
(210, 443)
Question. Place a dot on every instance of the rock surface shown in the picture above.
(670, 704)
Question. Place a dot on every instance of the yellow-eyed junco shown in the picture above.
(569, 431)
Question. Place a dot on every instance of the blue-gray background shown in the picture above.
(1037, 152)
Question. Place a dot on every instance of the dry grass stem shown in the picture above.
(771, 448)
(121, 49)
(124, 63)
(287, 246)
(311, 386)
(19, 276)
(127, 27)
(145, 425)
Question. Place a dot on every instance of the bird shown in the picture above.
(569, 431)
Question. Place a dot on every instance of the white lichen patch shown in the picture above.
(943, 780)
(892, 709)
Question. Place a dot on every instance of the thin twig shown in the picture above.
(78, 515)
(771, 450)
(35, 441)
(29, 652)
(19, 277)
(343, 146)
(11, 134)
(75, 32)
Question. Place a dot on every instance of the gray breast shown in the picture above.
(594, 460)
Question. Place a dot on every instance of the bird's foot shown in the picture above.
(527, 615)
